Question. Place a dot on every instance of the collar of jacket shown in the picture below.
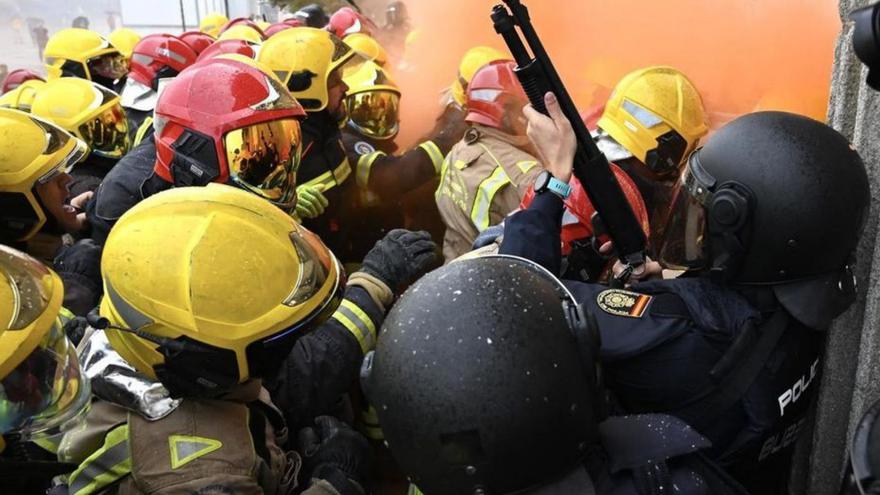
(521, 142)
(320, 124)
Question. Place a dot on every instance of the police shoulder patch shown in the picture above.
(363, 148)
(623, 302)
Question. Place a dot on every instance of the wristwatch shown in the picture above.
(546, 182)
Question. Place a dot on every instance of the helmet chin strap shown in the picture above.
(186, 371)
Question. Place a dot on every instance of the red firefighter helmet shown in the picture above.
(577, 220)
(493, 88)
(226, 47)
(229, 120)
(276, 28)
(159, 56)
(197, 40)
(18, 76)
(241, 21)
(347, 21)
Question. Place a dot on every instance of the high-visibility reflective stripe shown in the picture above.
(107, 465)
(142, 131)
(332, 178)
(443, 169)
(369, 424)
(434, 154)
(413, 490)
(484, 197)
(365, 165)
(358, 323)
(526, 165)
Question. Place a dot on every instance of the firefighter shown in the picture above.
(210, 291)
(389, 183)
(36, 209)
(246, 134)
(92, 113)
(43, 392)
(76, 52)
(486, 175)
(311, 63)
(157, 58)
(18, 77)
(212, 23)
(650, 125)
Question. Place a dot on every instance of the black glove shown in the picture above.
(402, 257)
(334, 452)
(79, 267)
(75, 328)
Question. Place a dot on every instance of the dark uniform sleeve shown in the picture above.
(120, 190)
(323, 364)
(534, 233)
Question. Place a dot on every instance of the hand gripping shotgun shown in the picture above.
(537, 76)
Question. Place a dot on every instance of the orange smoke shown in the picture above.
(743, 56)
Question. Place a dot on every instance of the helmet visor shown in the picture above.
(375, 113)
(317, 267)
(263, 158)
(46, 393)
(112, 66)
(684, 239)
(106, 133)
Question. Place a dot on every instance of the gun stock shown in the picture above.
(537, 75)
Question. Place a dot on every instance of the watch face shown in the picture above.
(542, 181)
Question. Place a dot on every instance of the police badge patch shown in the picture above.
(363, 148)
(623, 302)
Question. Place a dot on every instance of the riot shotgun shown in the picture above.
(537, 76)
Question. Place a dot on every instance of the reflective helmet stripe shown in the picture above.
(103, 468)
(365, 165)
(358, 323)
(434, 153)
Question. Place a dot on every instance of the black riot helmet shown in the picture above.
(480, 382)
(312, 15)
(865, 453)
(773, 199)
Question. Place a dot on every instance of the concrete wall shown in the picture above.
(851, 380)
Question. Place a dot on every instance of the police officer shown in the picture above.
(244, 133)
(485, 381)
(863, 472)
(235, 292)
(311, 63)
(42, 390)
(390, 185)
(486, 175)
(766, 231)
